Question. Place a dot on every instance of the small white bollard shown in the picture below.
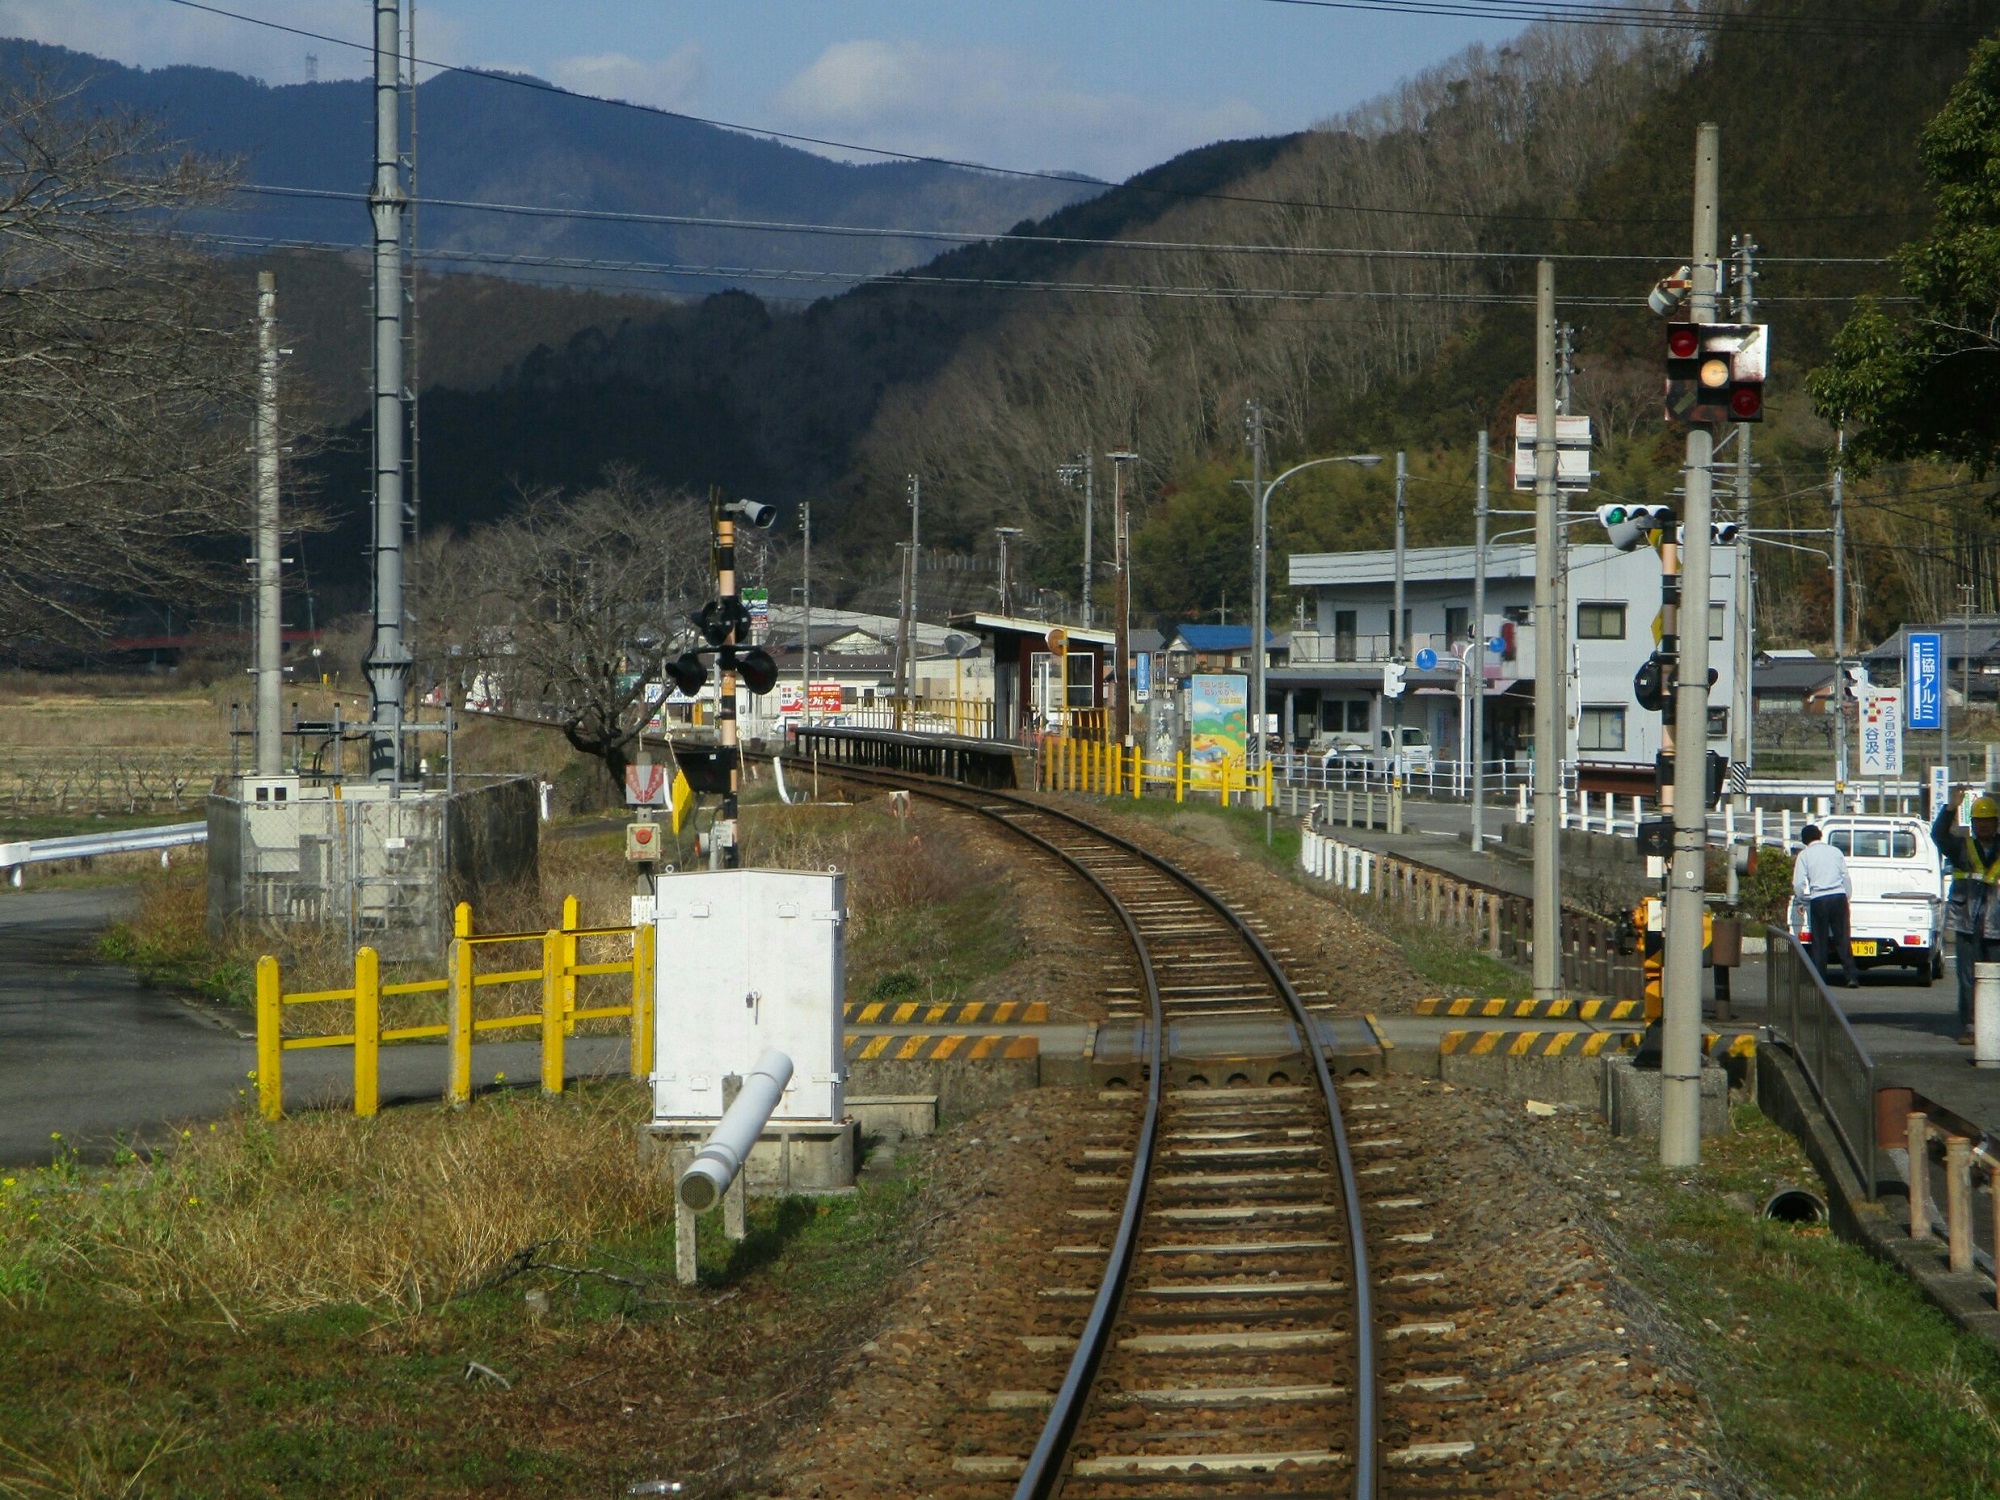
(1986, 1015)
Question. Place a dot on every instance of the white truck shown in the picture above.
(1896, 914)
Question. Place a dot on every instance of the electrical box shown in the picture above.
(642, 842)
(749, 959)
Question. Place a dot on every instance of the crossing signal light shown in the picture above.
(1715, 371)
(687, 673)
(1653, 684)
(1629, 526)
(759, 672)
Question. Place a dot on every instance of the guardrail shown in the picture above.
(1107, 769)
(555, 1018)
(1498, 921)
(1837, 1066)
(18, 856)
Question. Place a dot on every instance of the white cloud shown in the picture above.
(156, 34)
(994, 104)
(671, 82)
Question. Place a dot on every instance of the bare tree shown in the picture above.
(570, 609)
(125, 370)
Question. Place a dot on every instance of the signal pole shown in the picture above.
(722, 850)
(806, 629)
(388, 663)
(1399, 641)
(1258, 584)
(1840, 626)
(1122, 624)
(1547, 950)
(1478, 704)
(270, 748)
(1742, 706)
(1680, 1046)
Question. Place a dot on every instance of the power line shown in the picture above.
(969, 237)
(537, 85)
(794, 274)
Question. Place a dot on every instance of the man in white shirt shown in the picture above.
(1820, 879)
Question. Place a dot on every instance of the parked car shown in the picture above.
(1895, 916)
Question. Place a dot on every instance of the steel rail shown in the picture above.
(1045, 1464)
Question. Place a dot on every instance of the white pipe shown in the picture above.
(778, 765)
(722, 1155)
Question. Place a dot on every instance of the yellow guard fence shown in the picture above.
(1071, 764)
(555, 972)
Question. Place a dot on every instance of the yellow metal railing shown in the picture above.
(1071, 764)
(556, 974)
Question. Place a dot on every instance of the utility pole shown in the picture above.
(1547, 950)
(1742, 705)
(1258, 583)
(1680, 1045)
(1478, 651)
(909, 684)
(806, 628)
(270, 751)
(1121, 544)
(1089, 520)
(388, 663)
(1840, 624)
(723, 853)
(1399, 641)
(1005, 533)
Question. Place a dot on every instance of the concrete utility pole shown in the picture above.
(1478, 653)
(1680, 1045)
(1399, 640)
(909, 683)
(806, 628)
(270, 751)
(1259, 581)
(388, 663)
(1742, 705)
(1547, 952)
(1089, 464)
(1122, 625)
(1006, 534)
(1840, 625)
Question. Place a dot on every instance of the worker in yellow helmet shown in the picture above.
(1974, 909)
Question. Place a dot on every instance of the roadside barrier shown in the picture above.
(1497, 921)
(555, 973)
(1068, 763)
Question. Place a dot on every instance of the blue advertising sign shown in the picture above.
(1142, 672)
(1923, 676)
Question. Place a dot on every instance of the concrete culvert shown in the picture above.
(1238, 1080)
(1795, 1205)
(1279, 1080)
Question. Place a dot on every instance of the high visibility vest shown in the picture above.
(1973, 879)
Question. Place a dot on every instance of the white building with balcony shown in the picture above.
(1332, 682)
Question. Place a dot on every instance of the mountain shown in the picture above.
(486, 138)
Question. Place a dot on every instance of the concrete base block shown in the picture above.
(907, 1114)
(1554, 1080)
(1631, 1098)
(804, 1159)
(962, 1089)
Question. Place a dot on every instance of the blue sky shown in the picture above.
(1107, 87)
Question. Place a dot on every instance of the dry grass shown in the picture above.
(397, 1213)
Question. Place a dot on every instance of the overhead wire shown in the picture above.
(518, 80)
(973, 237)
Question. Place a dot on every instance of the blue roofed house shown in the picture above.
(1210, 648)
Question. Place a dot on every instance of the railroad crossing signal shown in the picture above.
(1715, 371)
(1632, 526)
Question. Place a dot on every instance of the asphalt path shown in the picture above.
(90, 1058)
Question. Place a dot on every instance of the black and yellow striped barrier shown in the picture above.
(947, 1013)
(1535, 1010)
(1716, 1044)
(925, 1047)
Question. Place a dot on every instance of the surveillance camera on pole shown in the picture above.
(754, 512)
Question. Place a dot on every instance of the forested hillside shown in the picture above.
(1354, 279)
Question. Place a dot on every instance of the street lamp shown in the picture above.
(1261, 492)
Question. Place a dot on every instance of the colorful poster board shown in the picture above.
(1882, 732)
(1218, 723)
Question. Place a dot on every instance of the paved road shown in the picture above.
(85, 1051)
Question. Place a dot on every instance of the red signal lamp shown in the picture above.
(1683, 342)
(1746, 402)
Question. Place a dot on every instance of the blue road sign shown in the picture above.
(1426, 659)
(1142, 672)
(1498, 645)
(1924, 677)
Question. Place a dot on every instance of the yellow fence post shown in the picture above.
(552, 1013)
(367, 1032)
(1180, 776)
(569, 925)
(458, 1020)
(1138, 771)
(642, 999)
(270, 1040)
(1224, 782)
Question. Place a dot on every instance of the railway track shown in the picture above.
(1214, 1299)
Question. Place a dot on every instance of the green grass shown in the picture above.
(624, 1375)
(1830, 1373)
